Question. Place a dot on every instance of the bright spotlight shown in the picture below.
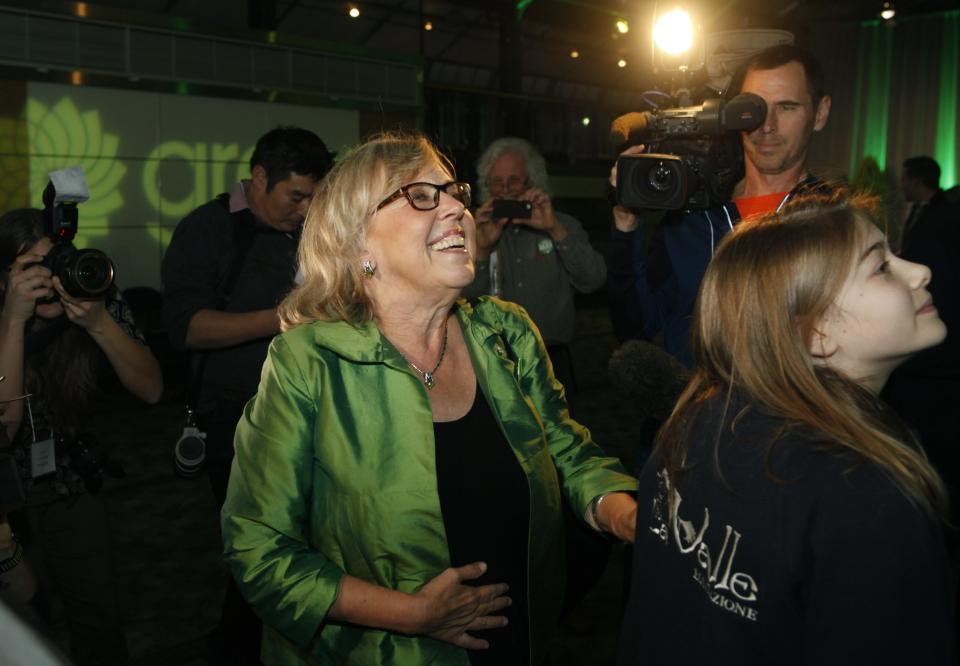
(621, 63)
(585, 120)
(673, 32)
(574, 54)
(354, 12)
(888, 11)
(623, 27)
(428, 26)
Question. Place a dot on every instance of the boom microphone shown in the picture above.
(628, 129)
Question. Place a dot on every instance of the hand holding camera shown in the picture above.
(29, 282)
(489, 229)
(89, 315)
(542, 216)
(533, 209)
(624, 219)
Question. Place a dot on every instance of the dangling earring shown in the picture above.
(367, 267)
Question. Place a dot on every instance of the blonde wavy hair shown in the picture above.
(771, 281)
(335, 226)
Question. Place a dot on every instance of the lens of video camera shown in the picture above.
(661, 178)
(86, 273)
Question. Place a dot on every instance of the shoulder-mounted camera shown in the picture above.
(693, 157)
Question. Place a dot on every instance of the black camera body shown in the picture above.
(512, 209)
(85, 274)
(695, 153)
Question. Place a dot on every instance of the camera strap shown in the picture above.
(242, 235)
(242, 230)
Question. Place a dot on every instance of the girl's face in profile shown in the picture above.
(882, 315)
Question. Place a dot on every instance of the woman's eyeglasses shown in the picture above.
(426, 196)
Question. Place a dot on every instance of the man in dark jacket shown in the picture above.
(229, 264)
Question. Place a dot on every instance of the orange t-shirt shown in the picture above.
(750, 206)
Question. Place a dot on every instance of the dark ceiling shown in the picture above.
(467, 32)
(479, 44)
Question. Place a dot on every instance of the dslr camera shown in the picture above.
(694, 154)
(85, 274)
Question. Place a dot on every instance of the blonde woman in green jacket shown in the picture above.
(396, 493)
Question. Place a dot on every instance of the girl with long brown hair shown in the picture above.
(787, 517)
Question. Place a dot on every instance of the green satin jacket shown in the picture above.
(335, 473)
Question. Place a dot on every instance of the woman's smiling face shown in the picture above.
(424, 250)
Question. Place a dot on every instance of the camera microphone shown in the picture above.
(628, 129)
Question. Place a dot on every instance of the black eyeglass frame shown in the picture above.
(463, 189)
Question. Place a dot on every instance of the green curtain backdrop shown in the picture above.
(895, 94)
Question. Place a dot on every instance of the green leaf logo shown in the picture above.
(60, 137)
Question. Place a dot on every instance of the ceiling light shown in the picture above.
(574, 54)
(621, 63)
(887, 11)
(585, 120)
(623, 27)
(354, 11)
(673, 32)
(428, 26)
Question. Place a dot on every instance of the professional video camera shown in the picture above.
(85, 274)
(694, 158)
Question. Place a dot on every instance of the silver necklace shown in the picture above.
(427, 377)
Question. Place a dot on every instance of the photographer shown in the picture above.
(666, 270)
(54, 347)
(536, 260)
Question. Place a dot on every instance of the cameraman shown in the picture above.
(55, 347)
(536, 261)
(666, 271)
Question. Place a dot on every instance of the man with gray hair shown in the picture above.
(536, 261)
